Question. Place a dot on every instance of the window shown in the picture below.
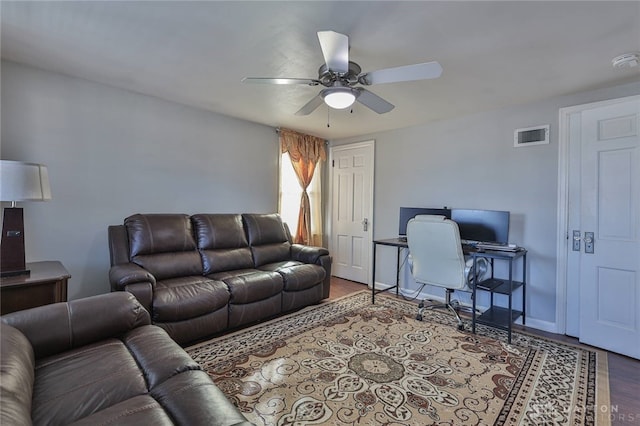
(290, 194)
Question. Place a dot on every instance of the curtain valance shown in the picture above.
(307, 148)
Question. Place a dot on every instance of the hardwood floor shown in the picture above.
(624, 372)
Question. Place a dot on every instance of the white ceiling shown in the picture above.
(494, 54)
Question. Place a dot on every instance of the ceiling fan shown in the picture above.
(341, 77)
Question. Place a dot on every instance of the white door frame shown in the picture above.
(562, 231)
(368, 143)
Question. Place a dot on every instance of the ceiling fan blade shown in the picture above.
(405, 73)
(311, 105)
(335, 49)
(307, 81)
(373, 101)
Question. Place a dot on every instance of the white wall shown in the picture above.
(470, 162)
(112, 153)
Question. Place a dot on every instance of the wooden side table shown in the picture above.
(46, 284)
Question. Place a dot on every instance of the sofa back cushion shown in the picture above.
(17, 366)
(59, 327)
(163, 244)
(267, 238)
(222, 242)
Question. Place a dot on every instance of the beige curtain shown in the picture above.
(305, 152)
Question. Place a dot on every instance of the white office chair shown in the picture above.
(437, 259)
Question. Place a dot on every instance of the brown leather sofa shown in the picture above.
(97, 361)
(204, 274)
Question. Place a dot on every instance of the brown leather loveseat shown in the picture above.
(203, 274)
(97, 361)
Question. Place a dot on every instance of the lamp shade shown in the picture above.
(339, 97)
(21, 181)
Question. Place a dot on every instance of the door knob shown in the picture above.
(365, 224)
(589, 242)
(576, 240)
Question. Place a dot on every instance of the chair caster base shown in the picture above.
(461, 327)
(419, 317)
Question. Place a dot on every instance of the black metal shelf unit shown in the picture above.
(499, 316)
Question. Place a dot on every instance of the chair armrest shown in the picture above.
(125, 274)
(307, 254)
(59, 327)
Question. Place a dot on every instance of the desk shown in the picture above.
(390, 242)
(47, 283)
(495, 316)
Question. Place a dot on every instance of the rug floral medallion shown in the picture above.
(349, 362)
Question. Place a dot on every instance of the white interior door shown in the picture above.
(609, 260)
(352, 208)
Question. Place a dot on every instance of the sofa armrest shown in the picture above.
(126, 274)
(326, 261)
(17, 365)
(59, 327)
(307, 254)
(143, 292)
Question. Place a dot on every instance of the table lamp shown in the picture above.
(19, 181)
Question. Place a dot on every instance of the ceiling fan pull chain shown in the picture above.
(328, 116)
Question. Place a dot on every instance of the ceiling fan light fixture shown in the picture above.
(339, 97)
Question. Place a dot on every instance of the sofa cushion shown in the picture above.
(221, 276)
(267, 237)
(17, 363)
(159, 233)
(59, 327)
(222, 242)
(163, 244)
(297, 276)
(226, 259)
(139, 410)
(159, 358)
(219, 231)
(270, 253)
(249, 288)
(264, 228)
(274, 266)
(99, 375)
(192, 399)
(113, 379)
(183, 298)
(170, 265)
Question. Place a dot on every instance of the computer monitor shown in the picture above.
(488, 226)
(408, 213)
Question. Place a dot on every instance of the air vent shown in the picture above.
(537, 135)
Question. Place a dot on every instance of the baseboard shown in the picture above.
(550, 327)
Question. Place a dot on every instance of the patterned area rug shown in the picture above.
(353, 363)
